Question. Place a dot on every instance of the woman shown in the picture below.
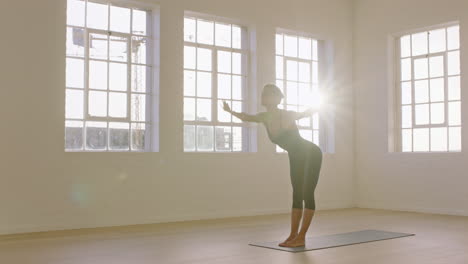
(305, 158)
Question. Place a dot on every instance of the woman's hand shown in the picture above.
(226, 107)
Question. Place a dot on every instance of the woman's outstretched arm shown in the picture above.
(242, 116)
(307, 113)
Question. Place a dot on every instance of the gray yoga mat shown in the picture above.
(337, 240)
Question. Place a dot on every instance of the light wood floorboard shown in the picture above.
(440, 239)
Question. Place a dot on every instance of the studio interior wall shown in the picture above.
(423, 182)
(43, 188)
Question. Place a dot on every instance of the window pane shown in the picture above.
(236, 37)
(189, 83)
(291, 70)
(406, 69)
(237, 87)
(203, 84)
(189, 138)
(224, 86)
(203, 109)
(73, 135)
(189, 57)
(279, 67)
(76, 13)
(305, 94)
(439, 139)
(189, 109)
(139, 78)
(453, 63)
(406, 117)
(290, 46)
(224, 61)
(304, 72)
(406, 93)
(138, 107)
(421, 139)
(405, 46)
(139, 50)
(454, 88)
(120, 19)
(118, 105)
(205, 32)
(419, 42)
(96, 135)
(223, 116)
(454, 114)
(205, 138)
(436, 65)
(437, 40)
(279, 44)
(437, 113)
(223, 138)
(315, 121)
(140, 19)
(119, 136)
(223, 35)
(315, 76)
(98, 75)
(291, 93)
(455, 138)
(189, 29)
(422, 114)
(453, 34)
(304, 122)
(420, 68)
(407, 140)
(437, 90)
(237, 139)
(421, 91)
(203, 59)
(236, 63)
(314, 50)
(98, 46)
(316, 137)
(97, 16)
(118, 76)
(97, 104)
(75, 42)
(306, 134)
(75, 73)
(138, 136)
(74, 104)
(305, 48)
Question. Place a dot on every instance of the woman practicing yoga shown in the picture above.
(305, 158)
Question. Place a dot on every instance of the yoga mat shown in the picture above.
(337, 240)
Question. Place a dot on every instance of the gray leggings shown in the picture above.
(304, 165)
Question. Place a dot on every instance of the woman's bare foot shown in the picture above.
(298, 241)
(291, 237)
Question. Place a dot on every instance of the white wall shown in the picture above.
(427, 182)
(44, 188)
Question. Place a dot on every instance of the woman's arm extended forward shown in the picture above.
(242, 116)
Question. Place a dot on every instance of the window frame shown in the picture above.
(398, 104)
(152, 76)
(244, 50)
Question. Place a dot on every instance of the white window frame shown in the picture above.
(152, 73)
(246, 145)
(398, 93)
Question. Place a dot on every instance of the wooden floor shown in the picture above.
(439, 239)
